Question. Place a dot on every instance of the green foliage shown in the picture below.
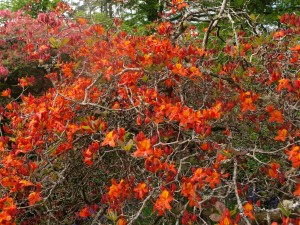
(103, 19)
(142, 29)
(267, 10)
(99, 18)
(32, 7)
(145, 12)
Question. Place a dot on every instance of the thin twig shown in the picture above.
(240, 206)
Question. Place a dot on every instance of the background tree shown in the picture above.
(33, 7)
(268, 10)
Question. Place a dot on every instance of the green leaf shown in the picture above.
(128, 146)
(112, 216)
(86, 127)
(12, 139)
(253, 17)
(145, 78)
(64, 41)
(53, 42)
(284, 210)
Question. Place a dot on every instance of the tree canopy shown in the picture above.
(33, 7)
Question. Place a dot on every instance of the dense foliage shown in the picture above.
(32, 7)
(178, 127)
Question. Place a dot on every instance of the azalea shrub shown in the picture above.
(99, 126)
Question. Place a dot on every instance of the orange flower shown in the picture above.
(139, 120)
(284, 83)
(141, 190)
(67, 69)
(189, 190)
(143, 148)
(85, 212)
(182, 5)
(163, 202)
(247, 98)
(26, 183)
(205, 146)
(276, 116)
(6, 93)
(5, 217)
(297, 191)
(273, 171)
(279, 34)
(247, 105)
(114, 191)
(121, 221)
(179, 69)
(34, 197)
(9, 208)
(248, 210)
(9, 106)
(98, 29)
(213, 179)
(116, 105)
(294, 156)
(110, 139)
(81, 21)
(199, 175)
(152, 164)
(118, 190)
(195, 71)
(225, 220)
(296, 48)
(281, 135)
(2, 146)
(269, 108)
